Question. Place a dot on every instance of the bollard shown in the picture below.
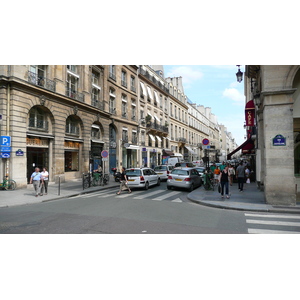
(58, 185)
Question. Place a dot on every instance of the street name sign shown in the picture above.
(279, 140)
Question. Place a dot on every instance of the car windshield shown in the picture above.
(200, 170)
(131, 172)
(160, 168)
(180, 172)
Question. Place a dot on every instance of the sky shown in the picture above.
(215, 86)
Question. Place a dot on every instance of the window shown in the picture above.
(134, 137)
(132, 84)
(72, 83)
(71, 161)
(112, 72)
(133, 110)
(124, 78)
(37, 120)
(95, 132)
(112, 101)
(143, 138)
(71, 68)
(37, 75)
(125, 135)
(124, 106)
(72, 126)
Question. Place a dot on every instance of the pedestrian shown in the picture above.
(35, 179)
(123, 182)
(240, 174)
(224, 180)
(231, 172)
(247, 174)
(217, 173)
(44, 181)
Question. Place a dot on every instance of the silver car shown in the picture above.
(163, 171)
(142, 178)
(187, 178)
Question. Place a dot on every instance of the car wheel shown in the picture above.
(191, 187)
(147, 185)
(158, 182)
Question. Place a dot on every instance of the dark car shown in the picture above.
(184, 164)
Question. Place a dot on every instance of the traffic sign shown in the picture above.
(5, 149)
(104, 158)
(205, 142)
(5, 141)
(5, 155)
(104, 154)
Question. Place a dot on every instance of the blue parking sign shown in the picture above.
(5, 141)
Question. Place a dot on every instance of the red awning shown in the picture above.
(250, 113)
(250, 105)
(245, 145)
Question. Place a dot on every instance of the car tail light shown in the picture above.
(168, 172)
(187, 179)
(142, 178)
(170, 177)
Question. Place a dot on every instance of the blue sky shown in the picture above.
(215, 86)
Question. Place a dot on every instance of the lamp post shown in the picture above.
(239, 75)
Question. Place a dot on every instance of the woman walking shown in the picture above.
(44, 182)
(231, 172)
(224, 180)
(124, 182)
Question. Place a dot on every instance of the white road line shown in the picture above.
(94, 194)
(177, 200)
(146, 195)
(268, 231)
(277, 223)
(273, 216)
(167, 195)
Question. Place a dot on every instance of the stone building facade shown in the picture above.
(64, 116)
(273, 95)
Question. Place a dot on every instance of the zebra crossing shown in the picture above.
(272, 223)
(156, 195)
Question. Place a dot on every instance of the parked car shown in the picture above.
(184, 164)
(187, 178)
(163, 171)
(201, 171)
(142, 178)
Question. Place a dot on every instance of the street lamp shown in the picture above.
(239, 75)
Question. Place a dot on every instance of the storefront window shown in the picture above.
(71, 161)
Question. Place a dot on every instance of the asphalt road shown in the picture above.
(154, 211)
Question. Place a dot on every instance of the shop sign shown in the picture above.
(19, 152)
(144, 149)
(250, 114)
(279, 140)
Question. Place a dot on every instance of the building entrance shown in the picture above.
(36, 158)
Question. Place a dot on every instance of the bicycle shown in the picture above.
(97, 179)
(208, 182)
(8, 184)
(105, 179)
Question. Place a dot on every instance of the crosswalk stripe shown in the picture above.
(148, 194)
(167, 195)
(94, 194)
(269, 231)
(279, 223)
(273, 216)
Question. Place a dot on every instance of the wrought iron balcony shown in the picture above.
(37, 124)
(154, 125)
(41, 81)
(98, 104)
(182, 140)
(74, 94)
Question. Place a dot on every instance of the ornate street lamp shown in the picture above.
(239, 75)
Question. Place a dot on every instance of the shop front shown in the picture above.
(72, 154)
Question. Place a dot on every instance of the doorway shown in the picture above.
(36, 158)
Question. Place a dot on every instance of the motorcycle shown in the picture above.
(117, 175)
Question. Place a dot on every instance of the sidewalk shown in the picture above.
(67, 189)
(251, 199)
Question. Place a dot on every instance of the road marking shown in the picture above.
(277, 223)
(268, 231)
(177, 200)
(146, 195)
(94, 194)
(167, 195)
(273, 216)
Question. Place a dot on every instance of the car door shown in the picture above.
(153, 176)
(195, 177)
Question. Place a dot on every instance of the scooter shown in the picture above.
(117, 175)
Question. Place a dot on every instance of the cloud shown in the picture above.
(233, 94)
(188, 73)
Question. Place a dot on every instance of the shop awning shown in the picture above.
(168, 153)
(135, 147)
(158, 138)
(249, 143)
(143, 89)
(177, 154)
(190, 150)
(151, 137)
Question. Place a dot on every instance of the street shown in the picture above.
(154, 211)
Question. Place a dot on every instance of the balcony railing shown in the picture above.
(154, 125)
(182, 140)
(41, 81)
(74, 94)
(38, 124)
(98, 104)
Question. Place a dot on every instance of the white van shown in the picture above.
(173, 160)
